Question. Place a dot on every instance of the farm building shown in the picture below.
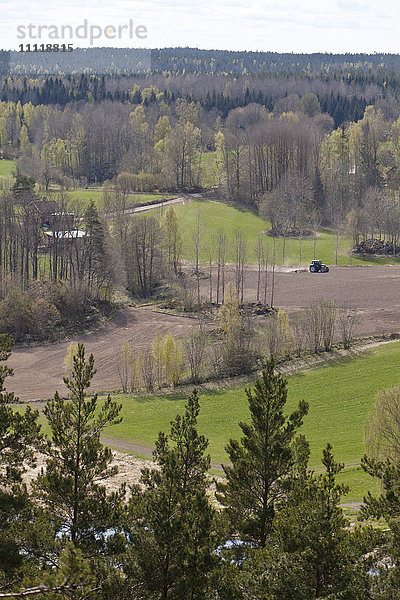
(64, 237)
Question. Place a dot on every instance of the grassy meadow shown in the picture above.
(217, 215)
(209, 169)
(83, 196)
(7, 168)
(341, 395)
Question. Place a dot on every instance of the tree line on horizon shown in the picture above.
(201, 61)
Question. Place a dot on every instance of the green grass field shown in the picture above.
(84, 195)
(341, 394)
(209, 169)
(7, 168)
(217, 215)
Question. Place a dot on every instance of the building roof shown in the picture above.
(46, 206)
(66, 235)
(62, 214)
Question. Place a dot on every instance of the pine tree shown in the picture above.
(386, 506)
(173, 543)
(70, 485)
(311, 525)
(312, 553)
(19, 436)
(73, 579)
(261, 459)
(97, 263)
(24, 188)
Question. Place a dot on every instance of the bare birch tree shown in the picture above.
(196, 241)
(222, 245)
(240, 246)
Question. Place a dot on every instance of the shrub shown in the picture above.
(278, 335)
(45, 317)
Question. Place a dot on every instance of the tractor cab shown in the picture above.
(317, 266)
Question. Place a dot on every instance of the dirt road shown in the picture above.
(159, 205)
(147, 207)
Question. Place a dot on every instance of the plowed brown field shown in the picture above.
(373, 290)
(39, 370)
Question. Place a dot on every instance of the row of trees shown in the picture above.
(162, 144)
(276, 531)
(155, 368)
(296, 167)
(51, 272)
(351, 67)
(238, 346)
(290, 163)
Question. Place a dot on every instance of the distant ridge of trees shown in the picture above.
(219, 80)
(195, 60)
(219, 92)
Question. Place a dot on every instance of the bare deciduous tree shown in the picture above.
(148, 370)
(157, 353)
(172, 239)
(314, 328)
(320, 321)
(222, 245)
(240, 245)
(211, 254)
(124, 365)
(328, 322)
(195, 349)
(262, 268)
(273, 273)
(298, 323)
(196, 241)
(278, 335)
(347, 321)
(136, 373)
(143, 256)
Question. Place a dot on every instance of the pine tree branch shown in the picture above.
(41, 589)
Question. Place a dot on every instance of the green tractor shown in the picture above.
(318, 266)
